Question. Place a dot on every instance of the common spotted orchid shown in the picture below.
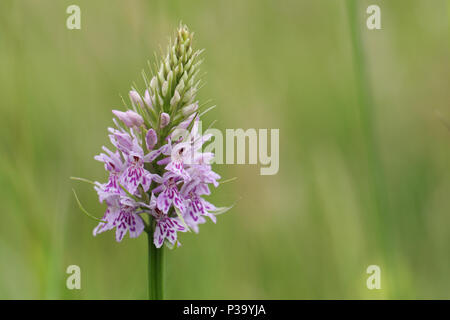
(157, 180)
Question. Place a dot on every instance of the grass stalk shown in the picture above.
(366, 109)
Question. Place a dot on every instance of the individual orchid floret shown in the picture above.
(166, 227)
(129, 118)
(121, 214)
(197, 207)
(181, 154)
(115, 166)
(193, 192)
(128, 220)
(112, 160)
(135, 174)
(187, 152)
(169, 194)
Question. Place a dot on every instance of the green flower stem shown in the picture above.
(155, 269)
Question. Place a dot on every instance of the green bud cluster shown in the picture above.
(174, 83)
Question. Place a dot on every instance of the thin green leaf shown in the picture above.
(207, 110)
(228, 180)
(84, 210)
(222, 210)
(83, 180)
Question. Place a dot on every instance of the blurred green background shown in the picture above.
(308, 232)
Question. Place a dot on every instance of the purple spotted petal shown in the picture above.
(192, 219)
(128, 221)
(165, 199)
(159, 235)
(167, 228)
(121, 226)
(136, 226)
(178, 200)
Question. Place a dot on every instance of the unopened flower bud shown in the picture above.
(153, 83)
(189, 64)
(185, 124)
(165, 119)
(180, 86)
(170, 76)
(185, 76)
(136, 98)
(161, 74)
(167, 65)
(189, 52)
(160, 100)
(189, 95)
(147, 99)
(129, 118)
(151, 139)
(174, 58)
(190, 109)
(165, 88)
(175, 99)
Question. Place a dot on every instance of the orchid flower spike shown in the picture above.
(156, 182)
